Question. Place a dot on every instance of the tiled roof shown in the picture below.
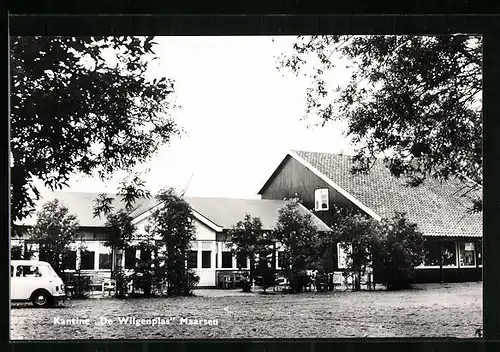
(224, 212)
(437, 207)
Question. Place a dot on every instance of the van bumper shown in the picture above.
(59, 298)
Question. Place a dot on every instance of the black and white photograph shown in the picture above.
(246, 187)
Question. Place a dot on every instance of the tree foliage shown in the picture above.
(399, 252)
(301, 243)
(173, 223)
(417, 100)
(391, 248)
(54, 231)
(16, 252)
(251, 242)
(359, 237)
(82, 104)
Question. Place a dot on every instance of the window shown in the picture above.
(145, 255)
(432, 255)
(342, 255)
(321, 199)
(241, 261)
(467, 253)
(130, 258)
(480, 252)
(43, 254)
(70, 260)
(206, 257)
(104, 260)
(87, 260)
(281, 259)
(193, 259)
(28, 271)
(104, 256)
(449, 253)
(227, 260)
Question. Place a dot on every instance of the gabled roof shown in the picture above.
(226, 212)
(437, 207)
(223, 212)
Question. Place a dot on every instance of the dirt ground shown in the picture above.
(450, 310)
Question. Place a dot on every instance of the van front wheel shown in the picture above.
(42, 299)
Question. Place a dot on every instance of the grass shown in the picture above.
(452, 310)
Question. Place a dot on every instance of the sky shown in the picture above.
(240, 115)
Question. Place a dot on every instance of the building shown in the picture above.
(210, 254)
(440, 209)
(453, 233)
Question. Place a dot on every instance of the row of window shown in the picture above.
(226, 260)
(463, 253)
(25, 271)
(454, 253)
(87, 259)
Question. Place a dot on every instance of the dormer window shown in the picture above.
(321, 199)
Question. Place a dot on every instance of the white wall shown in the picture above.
(203, 232)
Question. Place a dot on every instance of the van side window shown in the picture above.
(19, 270)
(28, 271)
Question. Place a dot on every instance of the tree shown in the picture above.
(359, 237)
(301, 243)
(414, 99)
(399, 252)
(173, 224)
(149, 271)
(82, 104)
(249, 241)
(16, 252)
(54, 231)
(122, 230)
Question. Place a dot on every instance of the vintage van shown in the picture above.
(35, 281)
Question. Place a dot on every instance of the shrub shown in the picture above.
(400, 251)
(301, 241)
(359, 237)
(77, 285)
(393, 248)
(251, 242)
(16, 252)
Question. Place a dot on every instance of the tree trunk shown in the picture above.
(357, 281)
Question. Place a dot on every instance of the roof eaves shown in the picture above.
(147, 212)
(274, 173)
(207, 221)
(316, 218)
(342, 191)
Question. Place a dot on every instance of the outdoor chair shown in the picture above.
(96, 285)
(367, 280)
(339, 280)
(228, 281)
(280, 284)
(108, 285)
